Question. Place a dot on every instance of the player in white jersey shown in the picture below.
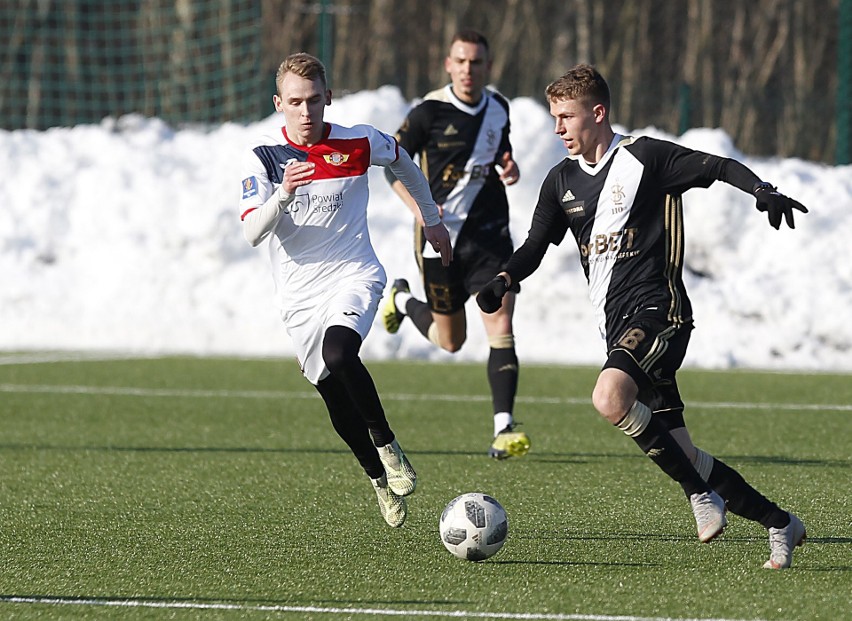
(305, 190)
(620, 198)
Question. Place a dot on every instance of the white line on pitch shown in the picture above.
(279, 394)
(454, 614)
(71, 356)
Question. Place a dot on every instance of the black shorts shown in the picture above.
(651, 351)
(473, 266)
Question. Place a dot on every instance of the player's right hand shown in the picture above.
(296, 175)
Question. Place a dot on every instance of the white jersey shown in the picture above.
(321, 238)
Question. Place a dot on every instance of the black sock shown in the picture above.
(350, 426)
(420, 315)
(743, 500)
(658, 444)
(340, 354)
(503, 378)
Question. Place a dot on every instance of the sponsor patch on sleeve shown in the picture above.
(249, 187)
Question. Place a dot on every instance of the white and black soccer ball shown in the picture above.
(474, 526)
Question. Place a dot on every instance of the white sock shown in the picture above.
(501, 421)
(400, 300)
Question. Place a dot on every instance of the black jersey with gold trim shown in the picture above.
(625, 214)
(458, 146)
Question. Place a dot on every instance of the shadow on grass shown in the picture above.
(572, 458)
(577, 564)
(786, 461)
(664, 537)
(621, 537)
(775, 460)
(536, 457)
(170, 449)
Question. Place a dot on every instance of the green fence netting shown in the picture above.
(68, 62)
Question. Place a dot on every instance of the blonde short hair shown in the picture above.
(303, 65)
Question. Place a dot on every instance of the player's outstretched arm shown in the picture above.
(769, 199)
(776, 205)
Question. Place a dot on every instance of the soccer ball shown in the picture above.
(474, 526)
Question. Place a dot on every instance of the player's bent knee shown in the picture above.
(340, 348)
(338, 361)
(608, 404)
(452, 344)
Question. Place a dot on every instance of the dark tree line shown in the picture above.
(765, 71)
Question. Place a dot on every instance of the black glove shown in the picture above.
(776, 204)
(490, 297)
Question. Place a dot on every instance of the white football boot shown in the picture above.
(709, 510)
(401, 476)
(782, 541)
(393, 507)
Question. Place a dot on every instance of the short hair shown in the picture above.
(303, 65)
(583, 83)
(469, 35)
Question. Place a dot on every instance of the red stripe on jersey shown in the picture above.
(340, 157)
(247, 212)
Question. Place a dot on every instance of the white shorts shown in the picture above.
(351, 304)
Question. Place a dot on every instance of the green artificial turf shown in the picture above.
(187, 488)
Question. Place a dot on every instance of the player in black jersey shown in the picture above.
(620, 198)
(461, 134)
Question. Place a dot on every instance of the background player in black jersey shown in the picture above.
(461, 134)
(620, 198)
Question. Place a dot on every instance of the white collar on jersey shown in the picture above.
(592, 169)
(458, 103)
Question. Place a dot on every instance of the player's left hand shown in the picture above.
(490, 297)
(439, 238)
(510, 174)
(776, 205)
